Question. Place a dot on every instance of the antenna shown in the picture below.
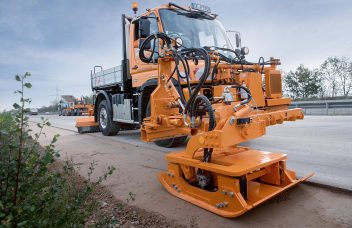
(57, 94)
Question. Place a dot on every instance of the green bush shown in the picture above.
(33, 194)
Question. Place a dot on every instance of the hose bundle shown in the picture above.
(155, 37)
(181, 57)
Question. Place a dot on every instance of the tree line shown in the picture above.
(332, 79)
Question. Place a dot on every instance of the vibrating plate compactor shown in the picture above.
(181, 76)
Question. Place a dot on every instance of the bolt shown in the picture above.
(231, 194)
(232, 120)
(224, 192)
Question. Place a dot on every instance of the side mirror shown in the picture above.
(238, 40)
(144, 28)
(235, 39)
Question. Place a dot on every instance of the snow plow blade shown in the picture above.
(86, 125)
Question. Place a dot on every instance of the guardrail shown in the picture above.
(325, 107)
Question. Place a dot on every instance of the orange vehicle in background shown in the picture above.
(182, 77)
(77, 107)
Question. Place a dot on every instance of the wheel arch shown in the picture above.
(102, 95)
(145, 90)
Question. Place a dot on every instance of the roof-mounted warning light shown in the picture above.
(135, 7)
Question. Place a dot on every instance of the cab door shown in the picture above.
(141, 29)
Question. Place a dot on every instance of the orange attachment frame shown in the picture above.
(241, 178)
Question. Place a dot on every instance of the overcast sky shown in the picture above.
(60, 41)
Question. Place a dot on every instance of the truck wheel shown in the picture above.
(106, 125)
(170, 142)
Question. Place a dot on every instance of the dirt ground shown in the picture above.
(137, 166)
(113, 212)
(123, 215)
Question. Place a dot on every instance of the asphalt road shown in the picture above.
(320, 144)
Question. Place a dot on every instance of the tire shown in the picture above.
(170, 142)
(106, 125)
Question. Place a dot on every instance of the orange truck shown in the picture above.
(181, 76)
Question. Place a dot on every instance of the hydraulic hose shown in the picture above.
(212, 121)
(181, 56)
(186, 68)
(246, 101)
(204, 76)
(261, 61)
(166, 39)
(205, 101)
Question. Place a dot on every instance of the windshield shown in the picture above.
(195, 31)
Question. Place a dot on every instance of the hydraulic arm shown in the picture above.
(213, 171)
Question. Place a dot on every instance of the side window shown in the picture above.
(153, 29)
(153, 23)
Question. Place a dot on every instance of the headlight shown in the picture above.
(244, 51)
(179, 42)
